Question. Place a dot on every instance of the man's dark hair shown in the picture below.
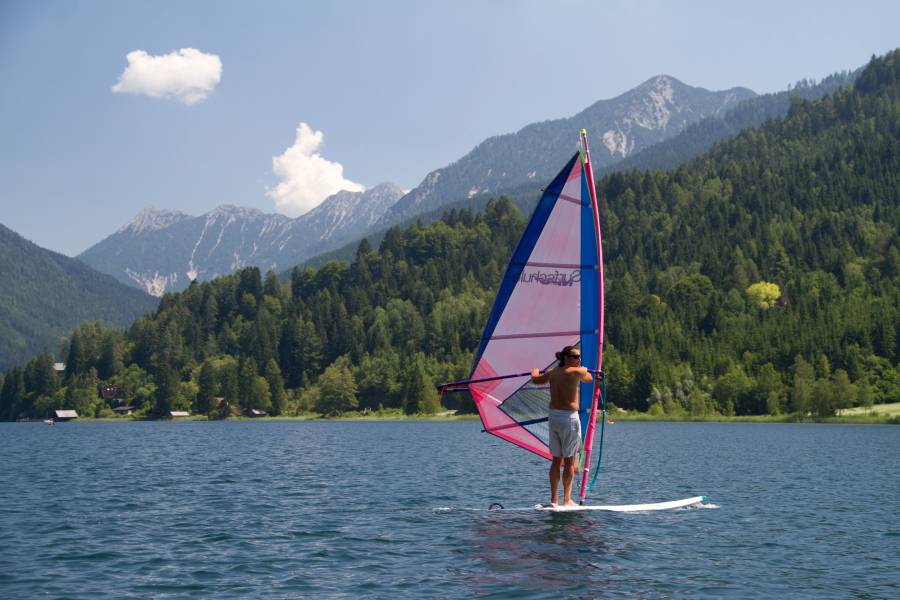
(562, 354)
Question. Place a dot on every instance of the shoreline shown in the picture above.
(867, 419)
(861, 419)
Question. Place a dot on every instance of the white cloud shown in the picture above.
(307, 178)
(188, 75)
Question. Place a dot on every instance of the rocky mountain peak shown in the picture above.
(151, 218)
(236, 212)
(176, 248)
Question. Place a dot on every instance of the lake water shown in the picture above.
(397, 509)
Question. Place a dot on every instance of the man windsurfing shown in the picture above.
(564, 424)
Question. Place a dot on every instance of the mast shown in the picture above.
(589, 434)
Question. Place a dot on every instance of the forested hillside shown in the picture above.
(763, 277)
(752, 112)
(43, 295)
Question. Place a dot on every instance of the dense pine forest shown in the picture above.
(761, 278)
(43, 295)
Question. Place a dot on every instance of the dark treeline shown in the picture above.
(762, 278)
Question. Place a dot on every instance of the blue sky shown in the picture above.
(394, 88)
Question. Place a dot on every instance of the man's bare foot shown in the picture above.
(570, 502)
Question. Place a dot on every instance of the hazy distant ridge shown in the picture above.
(161, 250)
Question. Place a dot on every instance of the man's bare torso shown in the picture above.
(564, 387)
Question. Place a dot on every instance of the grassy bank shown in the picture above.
(887, 410)
(860, 418)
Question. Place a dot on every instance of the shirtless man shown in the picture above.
(565, 426)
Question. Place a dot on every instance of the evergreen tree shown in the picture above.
(166, 381)
(337, 389)
(111, 356)
(246, 384)
(229, 385)
(12, 394)
(206, 387)
(276, 387)
(417, 392)
(41, 378)
(77, 361)
(802, 390)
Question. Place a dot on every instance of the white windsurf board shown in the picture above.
(683, 503)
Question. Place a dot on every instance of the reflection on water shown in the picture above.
(535, 552)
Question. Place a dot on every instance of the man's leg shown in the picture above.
(568, 479)
(554, 479)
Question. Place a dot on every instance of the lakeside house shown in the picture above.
(64, 415)
(179, 413)
(112, 392)
(123, 410)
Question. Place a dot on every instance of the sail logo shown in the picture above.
(551, 277)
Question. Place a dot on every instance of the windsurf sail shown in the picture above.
(551, 296)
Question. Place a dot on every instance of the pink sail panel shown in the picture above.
(537, 312)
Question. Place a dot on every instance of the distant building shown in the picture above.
(60, 368)
(65, 415)
(258, 413)
(111, 392)
(217, 401)
(123, 410)
(179, 413)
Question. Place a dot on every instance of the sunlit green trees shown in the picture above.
(337, 389)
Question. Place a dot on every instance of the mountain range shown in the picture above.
(753, 112)
(163, 250)
(658, 109)
(671, 152)
(658, 124)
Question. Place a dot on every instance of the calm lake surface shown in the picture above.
(397, 509)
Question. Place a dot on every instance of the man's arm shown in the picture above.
(585, 376)
(538, 379)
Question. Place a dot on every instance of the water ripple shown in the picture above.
(393, 510)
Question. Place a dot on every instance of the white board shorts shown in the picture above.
(565, 432)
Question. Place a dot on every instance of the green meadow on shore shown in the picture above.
(858, 418)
